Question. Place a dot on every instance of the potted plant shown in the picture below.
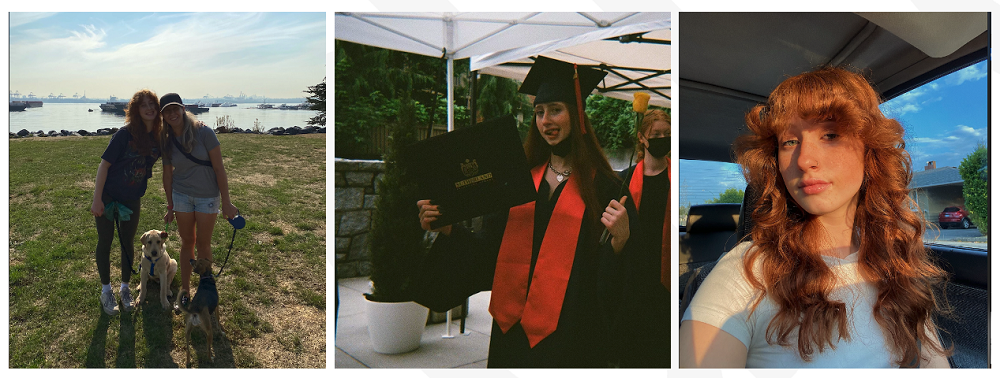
(395, 323)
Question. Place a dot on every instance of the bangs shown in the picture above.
(820, 96)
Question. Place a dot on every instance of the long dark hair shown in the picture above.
(587, 157)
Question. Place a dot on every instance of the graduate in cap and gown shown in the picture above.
(645, 324)
(556, 289)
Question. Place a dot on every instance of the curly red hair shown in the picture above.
(133, 122)
(889, 234)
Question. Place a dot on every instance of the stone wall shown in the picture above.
(355, 191)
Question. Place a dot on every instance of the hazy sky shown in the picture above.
(267, 54)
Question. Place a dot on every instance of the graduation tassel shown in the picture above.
(579, 99)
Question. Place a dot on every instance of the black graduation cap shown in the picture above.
(552, 80)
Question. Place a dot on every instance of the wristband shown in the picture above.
(170, 207)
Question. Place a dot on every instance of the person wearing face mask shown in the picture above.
(126, 166)
(556, 289)
(645, 328)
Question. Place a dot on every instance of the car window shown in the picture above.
(708, 182)
(946, 127)
(945, 122)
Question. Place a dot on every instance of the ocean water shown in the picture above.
(74, 117)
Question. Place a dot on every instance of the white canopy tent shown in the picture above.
(496, 38)
(642, 64)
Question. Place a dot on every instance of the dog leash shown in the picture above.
(238, 222)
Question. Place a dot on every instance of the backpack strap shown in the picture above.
(192, 158)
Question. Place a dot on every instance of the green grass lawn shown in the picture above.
(272, 294)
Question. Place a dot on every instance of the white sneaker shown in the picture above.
(126, 295)
(108, 303)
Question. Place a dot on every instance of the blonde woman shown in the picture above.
(195, 183)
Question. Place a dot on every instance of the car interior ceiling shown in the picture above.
(724, 74)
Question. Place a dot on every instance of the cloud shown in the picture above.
(947, 148)
(21, 18)
(909, 102)
(200, 52)
(970, 73)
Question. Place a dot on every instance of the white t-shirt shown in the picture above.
(725, 298)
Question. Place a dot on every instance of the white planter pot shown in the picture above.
(395, 327)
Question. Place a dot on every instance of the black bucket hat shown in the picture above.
(170, 99)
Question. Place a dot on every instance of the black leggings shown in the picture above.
(126, 237)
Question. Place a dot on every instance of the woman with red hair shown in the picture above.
(835, 274)
(645, 331)
(126, 166)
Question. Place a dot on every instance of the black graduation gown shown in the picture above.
(644, 329)
(462, 264)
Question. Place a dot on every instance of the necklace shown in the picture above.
(560, 176)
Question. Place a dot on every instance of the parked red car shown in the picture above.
(954, 216)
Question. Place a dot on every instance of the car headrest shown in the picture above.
(745, 225)
(713, 217)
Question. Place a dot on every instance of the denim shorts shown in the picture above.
(184, 203)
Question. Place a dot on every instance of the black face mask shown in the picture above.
(658, 147)
(563, 148)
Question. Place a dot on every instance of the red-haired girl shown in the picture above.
(835, 274)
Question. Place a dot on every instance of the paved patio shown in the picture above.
(354, 347)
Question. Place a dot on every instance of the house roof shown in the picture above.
(936, 177)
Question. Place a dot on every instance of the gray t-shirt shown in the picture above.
(191, 178)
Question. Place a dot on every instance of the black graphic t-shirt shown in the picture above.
(129, 171)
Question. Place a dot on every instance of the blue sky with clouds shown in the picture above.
(944, 120)
(193, 54)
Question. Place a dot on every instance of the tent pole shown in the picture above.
(474, 83)
(451, 91)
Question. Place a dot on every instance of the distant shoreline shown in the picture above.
(294, 130)
(291, 100)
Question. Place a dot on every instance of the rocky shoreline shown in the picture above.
(294, 130)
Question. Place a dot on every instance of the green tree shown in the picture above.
(370, 81)
(974, 172)
(499, 96)
(396, 233)
(731, 195)
(682, 215)
(613, 121)
(317, 101)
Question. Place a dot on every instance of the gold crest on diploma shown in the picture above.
(470, 169)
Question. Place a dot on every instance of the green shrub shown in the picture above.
(396, 234)
(975, 173)
(731, 195)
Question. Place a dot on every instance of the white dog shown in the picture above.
(157, 266)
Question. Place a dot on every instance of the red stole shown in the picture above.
(537, 309)
(635, 188)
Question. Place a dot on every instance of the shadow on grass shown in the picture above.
(95, 352)
(126, 341)
(220, 345)
(158, 330)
